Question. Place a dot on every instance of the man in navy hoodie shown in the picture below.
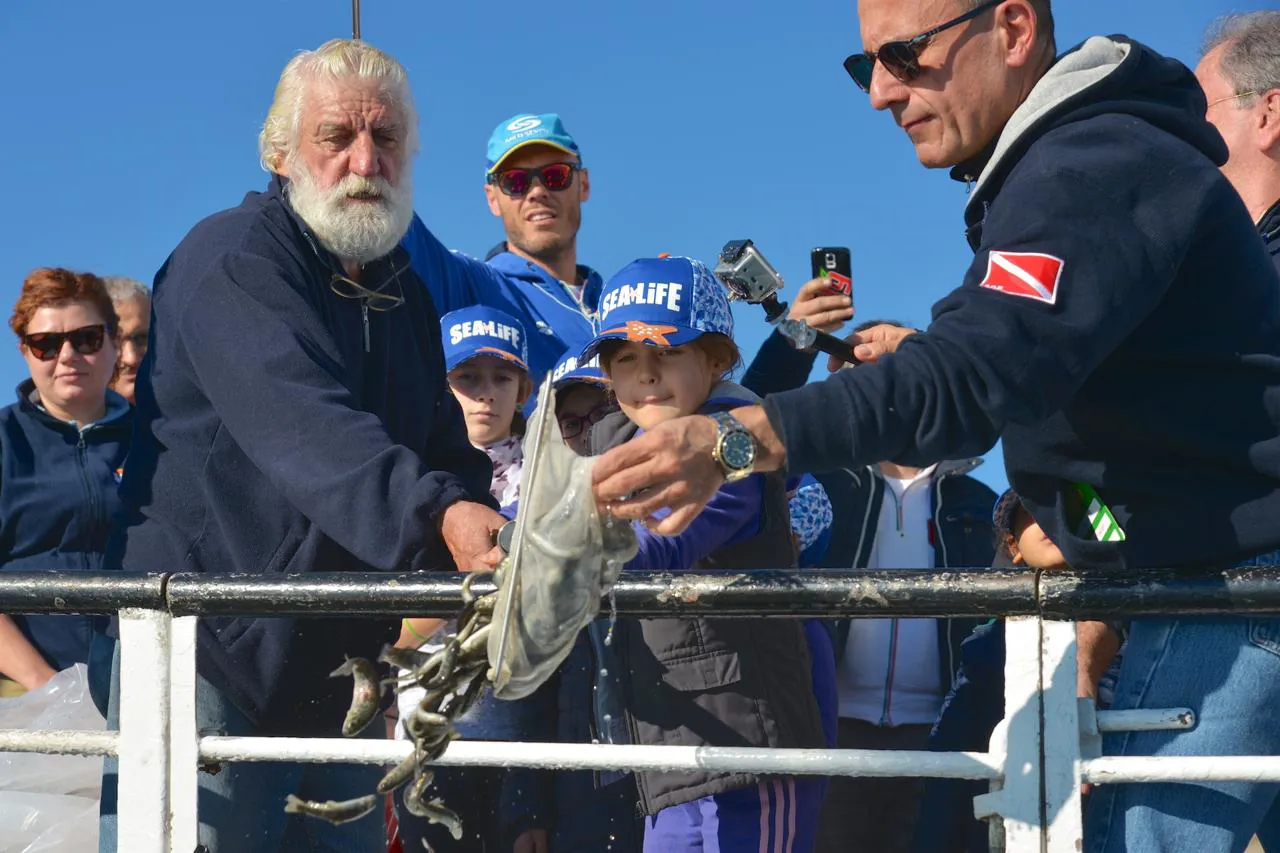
(535, 182)
(294, 417)
(1119, 327)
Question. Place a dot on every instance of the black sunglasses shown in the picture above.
(556, 177)
(572, 426)
(902, 58)
(85, 340)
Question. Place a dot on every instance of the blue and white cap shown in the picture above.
(663, 302)
(528, 129)
(570, 369)
(472, 332)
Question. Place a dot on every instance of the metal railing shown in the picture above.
(1045, 748)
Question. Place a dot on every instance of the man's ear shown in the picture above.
(1017, 22)
(491, 196)
(585, 178)
(1268, 123)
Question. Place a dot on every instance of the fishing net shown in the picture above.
(563, 558)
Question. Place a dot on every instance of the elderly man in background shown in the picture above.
(132, 301)
(1240, 75)
(294, 417)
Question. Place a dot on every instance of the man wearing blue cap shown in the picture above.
(535, 182)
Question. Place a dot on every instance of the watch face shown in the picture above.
(738, 450)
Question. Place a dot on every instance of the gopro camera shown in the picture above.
(745, 273)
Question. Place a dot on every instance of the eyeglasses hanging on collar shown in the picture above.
(374, 299)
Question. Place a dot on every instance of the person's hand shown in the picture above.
(870, 344)
(817, 306)
(531, 841)
(37, 677)
(669, 466)
(470, 532)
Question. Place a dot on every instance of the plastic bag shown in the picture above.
(564, 558)
(50, 802)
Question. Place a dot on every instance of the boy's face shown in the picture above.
(655, 384)
(489, 391)
(578, 408)
(1031, 547)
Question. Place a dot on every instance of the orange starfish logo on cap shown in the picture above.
(639, 333)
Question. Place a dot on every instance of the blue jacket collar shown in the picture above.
(501, 258)
(29, 401)
(1269, 224)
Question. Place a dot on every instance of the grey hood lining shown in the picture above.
(1073, 73)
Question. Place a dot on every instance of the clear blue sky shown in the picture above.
(701, 121)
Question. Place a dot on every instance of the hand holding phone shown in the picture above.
(833, 264)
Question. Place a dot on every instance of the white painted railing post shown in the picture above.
(144, 805)
(184, 739)
(1064, 827)
(1018, 801)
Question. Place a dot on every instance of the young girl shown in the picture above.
(666, 344)
(582, 400)
(501, 811)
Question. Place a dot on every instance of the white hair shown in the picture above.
(124, 289)
(1251, 59)
(333, 60)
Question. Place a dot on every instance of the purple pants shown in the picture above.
(778, 815)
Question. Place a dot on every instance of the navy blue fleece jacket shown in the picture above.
(58, 495)
(1149, 368)
(283, 429)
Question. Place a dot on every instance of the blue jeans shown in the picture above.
(241, 807)
(1228, 672)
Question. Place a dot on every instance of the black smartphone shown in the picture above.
(832, 263)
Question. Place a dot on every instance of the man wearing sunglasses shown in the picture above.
(536, 183)
(294, 417)
(1118, 328)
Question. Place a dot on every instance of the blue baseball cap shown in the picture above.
(570, 369)
(528, 129)
(663, 302)
(472, 332)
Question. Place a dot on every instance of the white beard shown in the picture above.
(359, 231)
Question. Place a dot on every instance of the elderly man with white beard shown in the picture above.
(294, 417)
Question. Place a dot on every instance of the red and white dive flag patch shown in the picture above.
(1027, 274)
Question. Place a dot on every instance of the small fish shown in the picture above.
(407, 659)
(437, 812)
(448, 660)
(399, 774)
(426, 727)
(333, 811)
(366, 697)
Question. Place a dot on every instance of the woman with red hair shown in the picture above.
(62, 450)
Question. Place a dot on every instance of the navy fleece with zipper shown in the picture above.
(58, 496)
(284, 429)
(1153, 371)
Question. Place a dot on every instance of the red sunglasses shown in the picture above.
(556, 177)
(85, 340)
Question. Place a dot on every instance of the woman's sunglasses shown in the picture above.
(572, 426)
(556, 177)
(85, 340)
(902, 58)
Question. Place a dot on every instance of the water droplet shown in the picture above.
(613, 616)
(604, 672)
(607, 719)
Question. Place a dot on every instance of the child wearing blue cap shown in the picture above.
(582, 399)
(486, 355)
(666, 342)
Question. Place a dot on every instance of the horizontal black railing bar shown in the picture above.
(1059, 595)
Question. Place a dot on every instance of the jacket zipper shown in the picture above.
(364, 318)
(886, 709)
(82, 456)
(941, 550)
